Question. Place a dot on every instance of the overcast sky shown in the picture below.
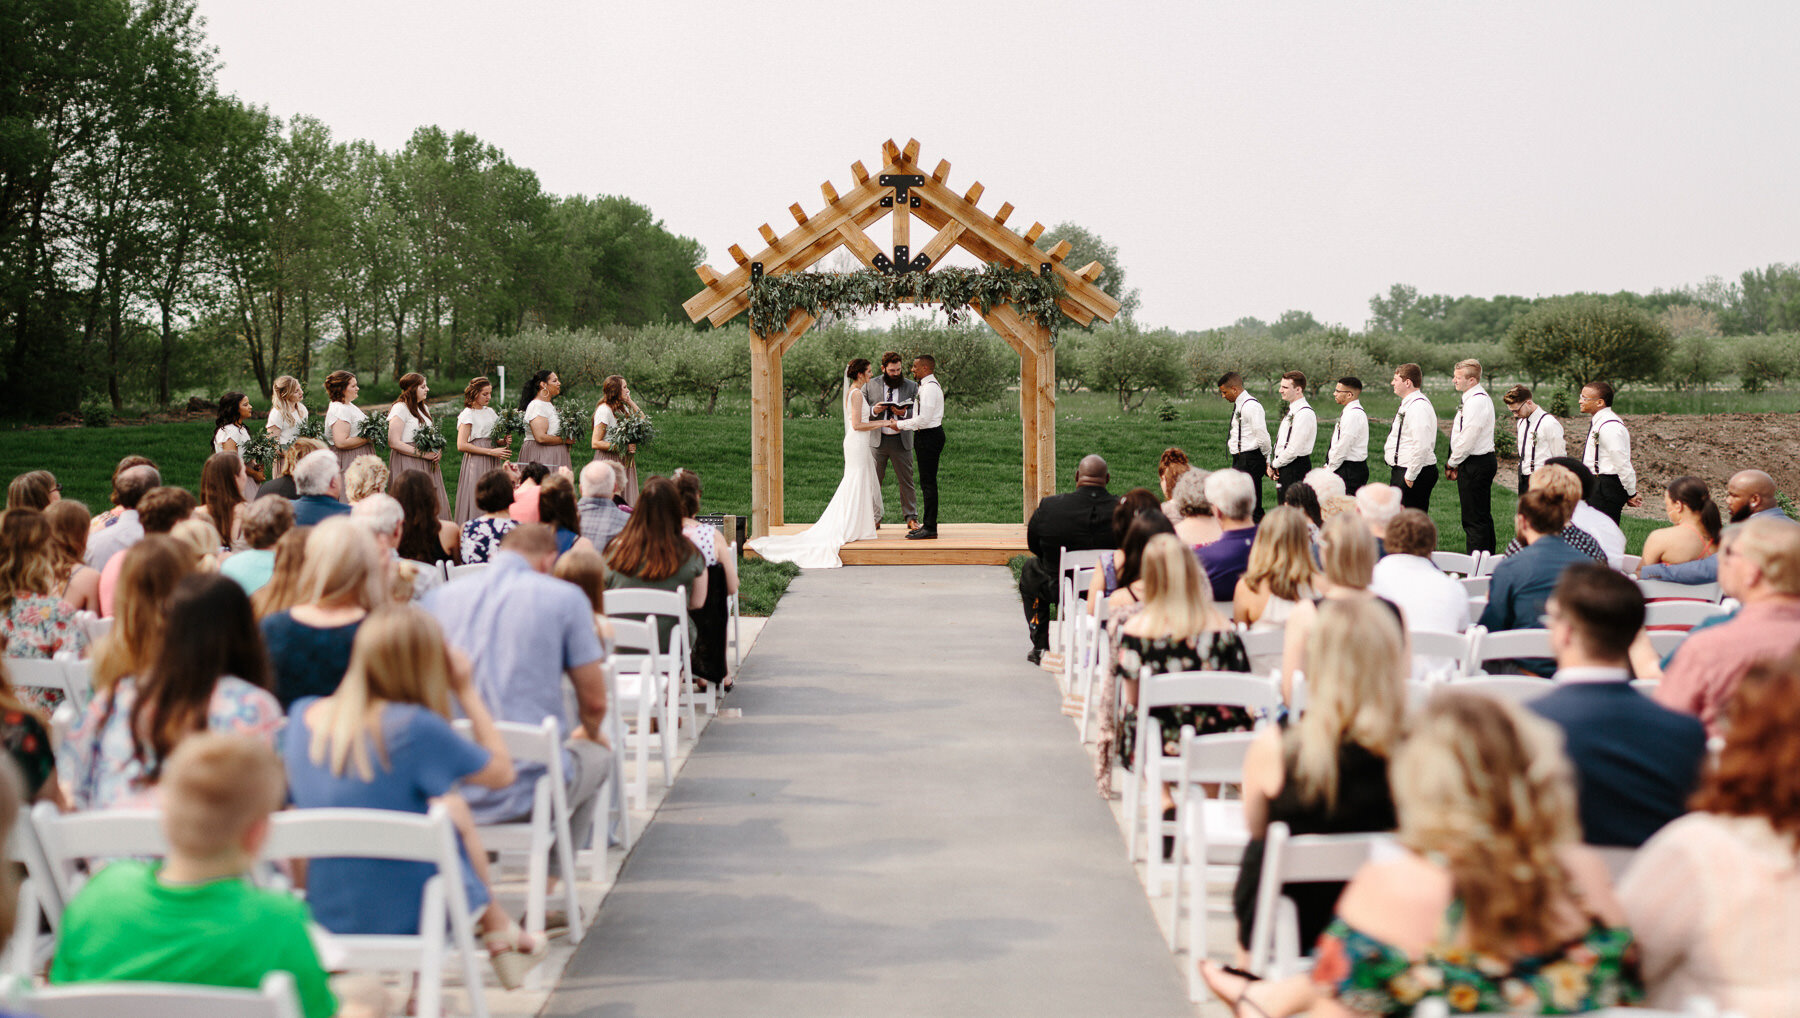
(1245, 158)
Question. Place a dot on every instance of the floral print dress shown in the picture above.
(40, 626)
(481, 537)
(1138, 658)
(1597, 970)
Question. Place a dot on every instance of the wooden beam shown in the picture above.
(1061, 251)
(738, 255)
(759, 435)
(975, 192)
(707, 275)
(1005, 332)
(1046, 422)
(1036, 231)
(799, 215)
(1091, 271)
(910, 154)
(777, 444)
(829, 192)
(735, 301)
(768, 235)
(859, 243)
(1029, 423)
(986, 252)
(942, 171)
(940, 244)
(797, 324)
(890, 152)
(860, 175)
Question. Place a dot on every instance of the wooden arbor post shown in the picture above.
(1037, 399)
(766, 439)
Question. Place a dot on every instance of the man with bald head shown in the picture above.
(1078, 520)
(1750, 494)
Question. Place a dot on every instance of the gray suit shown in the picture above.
(894, 448)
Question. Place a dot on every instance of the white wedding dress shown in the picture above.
(851, 514)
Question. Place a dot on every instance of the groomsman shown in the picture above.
(1472, 463)
(1348, 454)
(1248, 440)
(1411, 450)
(1298, 433)
(1539, 433)
(1608, 453)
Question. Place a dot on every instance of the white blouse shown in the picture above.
(230, 433)
(542, 408)
(481, 422)
(604, 417)
(409, 425)
(349, 413)
(287, 428)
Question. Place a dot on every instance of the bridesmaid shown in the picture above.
(404, 418)
(287, 412)
(343, 417)
(475, 439)
(615, 399)
(232, 436)
(543, 445)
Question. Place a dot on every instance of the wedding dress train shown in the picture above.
(851, 514)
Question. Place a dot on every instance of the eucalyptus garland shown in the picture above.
(773, 298)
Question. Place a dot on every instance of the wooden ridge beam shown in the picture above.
(794, 259)
(986, 252)
(940, 244)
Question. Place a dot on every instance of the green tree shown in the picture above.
(1127, 361)
(1294, 323)
(1087, 246)
(1579, 339)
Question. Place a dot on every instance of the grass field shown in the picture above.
(978, 481)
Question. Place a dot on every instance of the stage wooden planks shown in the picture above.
(957, 544)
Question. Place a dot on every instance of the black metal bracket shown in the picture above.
(755, 271)
(899, 264)
(1044, 269)
(902, 183)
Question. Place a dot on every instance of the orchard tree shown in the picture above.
(1086, 246)
(1580, 339)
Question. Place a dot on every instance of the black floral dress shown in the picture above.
(1140, 658)
(24, 739)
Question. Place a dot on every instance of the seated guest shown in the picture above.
(1493, 904)
(1604, 529)
(587, 571)
(1327, 773)
(78, 583)
(1714, 897)
(1128, 596)
(600, 517)
(1522, 582)
(1761, 568)
(1326, 484)
(1749, 495)
(1076, 521)
(1635, 763)
(159, 512)
(711, 619)
(1564, 485)
(264, 520)
(28, 744)
(283, 483)
(423, 536)
(365, 476)
(316, 479)
(384, 741)
(525, 631)
(340, 583)
(481, 535)
(1306, 500)
(1378, 504)
(525, 495)
(196, 917)
(1429, 600)
(1196, 525)
(35, 622)
(204, 538)
(283, 589)
(556, 506)
(1105, 582)
(34, 489)
(652, 552)
(151, 570)
(1233, 497)
(1338, 505)
(1280, 575)
(222, 482)
(215, 677)
(1169, 469)
(402, 579)
(1347, 561)
(1693, 531)
(129, 485)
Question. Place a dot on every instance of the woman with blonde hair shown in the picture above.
(484, 448)
(282, 591)
(34, 620)
(1177, 629)
(80, 583)
(586, 569)
(222, 495)
(287, 410)
(615, 403)
(1494, 904)
(384, 740)
(199, 534)
(1281, 574)
(365, 476)
(283, 482)
(34, 489)
(1327, 773)
(1347, 557)
(341, 582)
(407, 415)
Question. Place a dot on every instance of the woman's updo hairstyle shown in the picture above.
(856, 367)
(473, 389)
(1693, 493)
(532, 385)
(337, 383)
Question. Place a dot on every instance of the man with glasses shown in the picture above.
(1608, 453)
(1348, 454)
(1538, 434)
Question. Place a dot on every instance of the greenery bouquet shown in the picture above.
(574, 420)
(511, 422)
(634, 429)
(429, 438)
(375, 429)
(261, 448)
(314, 428)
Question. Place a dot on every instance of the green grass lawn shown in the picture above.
(979, 480)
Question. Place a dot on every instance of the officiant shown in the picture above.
(892, 396)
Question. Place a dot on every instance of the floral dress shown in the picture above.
(1141, 658)
(481, 536)
(1597, 970)
(23, 736)
(40, 627)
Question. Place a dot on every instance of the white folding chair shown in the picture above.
(38, 897)
(73, 679)
(1506, 645)
(459, 572)
(1667, 590)
(1665, 641)
(1275, 948)
(1680, 613)
(1455, 562)
(613, 807)
(546, 830)
(643, 692)
(1151, 768)
(675, 653)
(1068, 595)
(275, 998)
(406, 837)
(1092, 654)
(1438, 647)
(1630, 563)
(1263, 643)
(1209, 832)
(1477, 586)
(69, 839)
(1486, 565)
(1517, 689)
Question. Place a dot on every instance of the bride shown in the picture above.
(851, 514)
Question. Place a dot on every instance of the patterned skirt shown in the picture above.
(474, 467)
(400, 463)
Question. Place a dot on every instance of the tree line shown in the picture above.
(156, 234)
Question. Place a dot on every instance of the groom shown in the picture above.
(890, 443)
(928, 427)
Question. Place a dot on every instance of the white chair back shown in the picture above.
(1665, 641)
(1667, 590)
(1294, 859)
(1262, 643)
(70, 839)
(1507, 645)
(1629, 564)
(1068, 593)
(642, 690)
(1486, 565)
(1455, 562)
(1680, 613)
(675, 651)
(1439, 648)
(1513, 688)
(275, 998)
(1209, 831)
(1476, 586)
(462, 572)
(73, 679)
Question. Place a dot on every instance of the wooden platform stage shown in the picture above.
(957, 544)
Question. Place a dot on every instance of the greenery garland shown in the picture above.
(773, 298)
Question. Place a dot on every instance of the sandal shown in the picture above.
(1213, 975)
(512, 961)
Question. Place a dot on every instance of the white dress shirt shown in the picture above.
(1412, 442)
(1249, 426)
(1540, 437)
(931, 407)
(1603, 530)
(1350, 437)
(1609, 449)
(1299, 432)
(1429, 601)
(1472, 430)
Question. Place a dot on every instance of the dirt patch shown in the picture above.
(1709, 446)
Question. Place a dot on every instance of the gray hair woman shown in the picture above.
(1197, 527)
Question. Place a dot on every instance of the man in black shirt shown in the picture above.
(1078, 520)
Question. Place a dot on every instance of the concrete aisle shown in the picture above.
(902, 823)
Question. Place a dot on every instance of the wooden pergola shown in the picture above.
(900, 191)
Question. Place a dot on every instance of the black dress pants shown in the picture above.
(1256, 465)
(928, 445)
(1037, 589)
(1290, 475)
(1418, 496)
(1355, 474)
(1475, 487)
(1609, 496)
